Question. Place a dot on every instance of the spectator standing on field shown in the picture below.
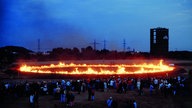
(31, 100)
(109, 102)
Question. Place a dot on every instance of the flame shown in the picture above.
(101, 69)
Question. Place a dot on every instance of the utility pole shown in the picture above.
(124, 45)
(104, 44)
(94, 44)
(38, 46)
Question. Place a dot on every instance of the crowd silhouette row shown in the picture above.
(64, 89)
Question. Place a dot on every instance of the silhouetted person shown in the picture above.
(131, 103)
(89, 93)
(31, 100)
(109, 102)
(115, 104)
(134, 104)
(92, 94)
(36, 99)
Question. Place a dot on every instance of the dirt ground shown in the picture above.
(81, 101)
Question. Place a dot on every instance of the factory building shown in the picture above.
(159, 41)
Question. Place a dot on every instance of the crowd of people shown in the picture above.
(65, 89)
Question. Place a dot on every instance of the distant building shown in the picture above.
(159, 41)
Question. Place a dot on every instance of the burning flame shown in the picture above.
(97, 69)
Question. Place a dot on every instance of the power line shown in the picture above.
(104, 44)
(94, 44)
(124, 45)
(38, 45)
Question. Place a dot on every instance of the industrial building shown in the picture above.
(159, 41)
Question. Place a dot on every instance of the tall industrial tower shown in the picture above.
(159, 41)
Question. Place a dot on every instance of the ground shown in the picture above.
(144, 101)
(81, 100)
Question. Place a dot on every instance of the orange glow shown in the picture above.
(97, 69)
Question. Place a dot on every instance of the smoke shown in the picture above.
(32, 20)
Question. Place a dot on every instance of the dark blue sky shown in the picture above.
(77, 23)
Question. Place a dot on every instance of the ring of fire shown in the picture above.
(97, 69)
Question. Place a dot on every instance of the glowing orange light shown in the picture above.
(102, 69)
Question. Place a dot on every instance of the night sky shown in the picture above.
(77, 23)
